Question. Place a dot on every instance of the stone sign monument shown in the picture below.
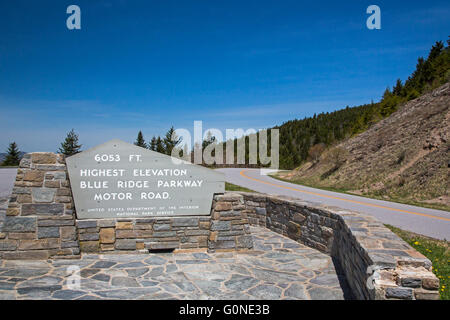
(118, 197)
(120, 180)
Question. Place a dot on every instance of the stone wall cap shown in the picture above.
(229, 197)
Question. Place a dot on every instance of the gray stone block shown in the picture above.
(411, 282)
(260, 211)
(185, 222)
(399, 293)
(125, 244)
(55, 222)
(106, 223)
(48, 232)
(197, 232)
(29, 209)
(162, 245)
(8, 245)
(21, 190)
(89, 236)
(220, 225)
(164, 234)
(84, 224)
(69, 244)
(43, 195)
(161, 227)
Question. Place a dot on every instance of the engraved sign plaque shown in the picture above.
(121, 180)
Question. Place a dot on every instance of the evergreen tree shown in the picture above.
(160, 146)
(387, 93)
(13, 155)
(140, 142)
(171, 140)
(211, 140)
(436, 50)
(70, 145)
(152, 145)
(208, 140)
(398, 88)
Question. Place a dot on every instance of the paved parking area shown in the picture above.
(277, 268)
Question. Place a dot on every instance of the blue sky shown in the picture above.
(147, 65)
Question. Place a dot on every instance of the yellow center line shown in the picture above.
(342, 199)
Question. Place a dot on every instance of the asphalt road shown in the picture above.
(429, 222)
(7, 177)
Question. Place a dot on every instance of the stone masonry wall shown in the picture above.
(226, 229)
(40, 221)
(377, 263)
(230, 228)
(143, 234)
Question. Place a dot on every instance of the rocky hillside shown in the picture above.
(403, 157)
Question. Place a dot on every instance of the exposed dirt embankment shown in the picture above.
(403, 157)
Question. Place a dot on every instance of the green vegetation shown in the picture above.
(170, 141)
(233, 187)
(13, 156)
(436, 250)
(140, 142)
(70, 145)
(165, 145)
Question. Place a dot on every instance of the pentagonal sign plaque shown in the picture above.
(121, 180)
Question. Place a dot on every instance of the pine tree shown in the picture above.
(160, 145)
(387, 93)
(140, 142)
(13, 155)
(436, 50)
(171, 140)
(70, 145)
(152, 145)
(398, 88)
(208, 140)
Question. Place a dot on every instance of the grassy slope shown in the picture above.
(402, 158)
(233, 187)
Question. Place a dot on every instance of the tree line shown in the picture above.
(71, 146)
(165, 145)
